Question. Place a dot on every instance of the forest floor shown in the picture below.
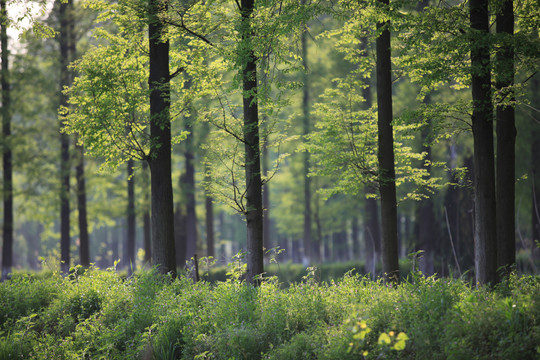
(97, 314)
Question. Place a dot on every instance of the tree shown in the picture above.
(7, 249)
(387, 185)
(65, 39)
(84, 241)
(307, 236)
(254, 209)
(485, 236)
(163, 247)
(131, 226)
(506, 139)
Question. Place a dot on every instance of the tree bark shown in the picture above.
(425, 229)
(130, 219)
(163, 247)
(307, 236)
(84, 239)
(506, 144)
(188, 184)
(254, 209)
(535, 169)
(387, 185)
(485, 236)
(210, 237)
(7, 249)
(66, 20)
(146, 218)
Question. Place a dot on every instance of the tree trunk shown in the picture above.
(506, 144)
(188, 184)
(163, 247)
(146, 218)
(425, 229)
(66, 21)
(130, 219)
(305, 131)
(485, 239)
(7, 249)
(84, 239)
(535, 169)
(387, 185)
(254, 209)
(210, 238)
(372, 235)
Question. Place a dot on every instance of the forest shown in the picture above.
(270, 179)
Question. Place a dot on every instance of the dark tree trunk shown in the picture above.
(114, 235)
(7, 248)
(305, 131)
(180, 235)
(130, 258)
(84, 239)
(485, 236)
(425, 230)
(506, 145)
(317, 256)
(65, 37)
(372, 235)
(163, 247)
(387, 184)
(188, 185)
(254, 209)
(210, 238)
(146, 218)
(355, 238)
(267, 242)
(535, 169)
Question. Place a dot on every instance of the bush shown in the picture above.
(98, 314)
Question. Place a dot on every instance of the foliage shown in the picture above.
(96, 314)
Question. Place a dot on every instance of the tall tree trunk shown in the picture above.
(66, 20)
(7, 249)
(387, 184)
(305, 131)
(163, 247)
(84, 239)
(210, 236)
(425, 218)
(254, 209)
(372, 235)
(535, 168)
(188, 184)
(485, 236)
(267, 242)
(506, 145)
(130, 219)
(146, 218)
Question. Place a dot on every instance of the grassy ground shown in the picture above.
(99, 315)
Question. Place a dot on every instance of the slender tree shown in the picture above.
(130, 248)
(146, 217)
(188, 186)
(209, 221)
(7, 249)
(387, 185)
(163, 247)
(485, 239)
(84, 238)
(65, 9)
(506, 140)
(254, 209)
(307, 236)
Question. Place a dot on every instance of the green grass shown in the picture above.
(99, 315)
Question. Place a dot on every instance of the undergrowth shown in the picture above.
(96, 314)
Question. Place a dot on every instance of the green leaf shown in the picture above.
(384, 339)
